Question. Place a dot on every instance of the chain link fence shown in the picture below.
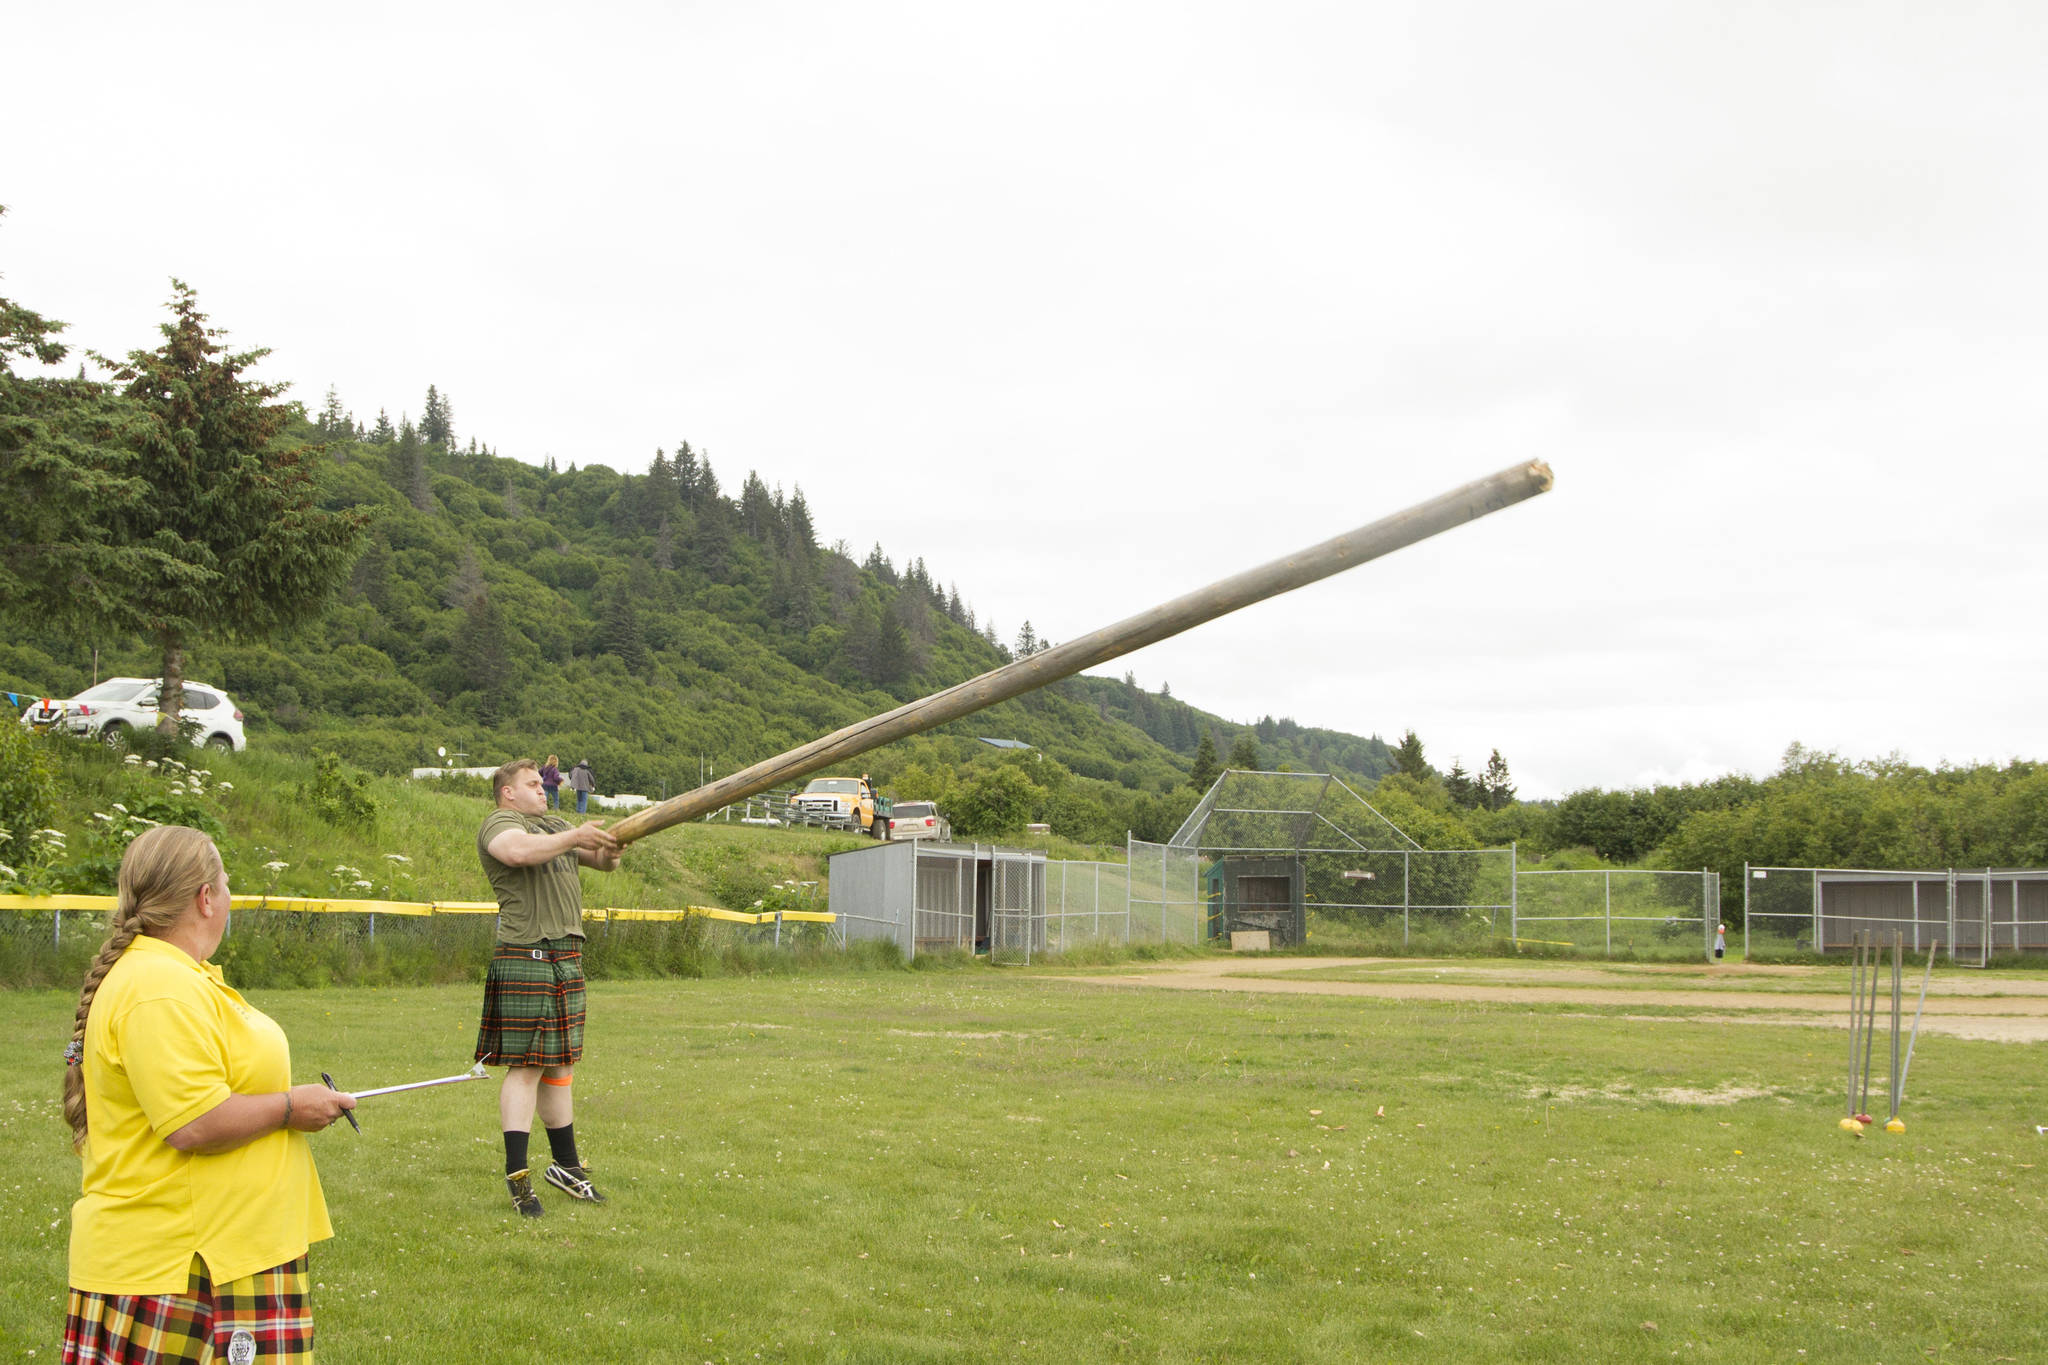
(1086, 904)
(1166, 901)
(1614, 912)
(270, 947)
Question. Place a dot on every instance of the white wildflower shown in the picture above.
(132, 759)
(101, 815)
(224, 786)
(9, 873)
(360, 885)
(149, 763)
(121, 808)
(277, 865)
(396, 858)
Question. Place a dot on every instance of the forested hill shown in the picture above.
(660, 626)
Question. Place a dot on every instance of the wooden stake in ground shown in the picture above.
(1420, 522)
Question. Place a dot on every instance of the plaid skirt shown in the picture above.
(533, 1005)
(265, 1317)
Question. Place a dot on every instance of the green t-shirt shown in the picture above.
(542, 901)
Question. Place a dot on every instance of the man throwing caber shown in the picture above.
(533, 997)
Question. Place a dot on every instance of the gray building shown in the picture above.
(925, 895)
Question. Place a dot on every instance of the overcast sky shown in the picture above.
(1091, 304)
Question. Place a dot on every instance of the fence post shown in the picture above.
(1514, 892)
(1405, 897)
(1710, 911)
(1607, 910)
(1816, 913)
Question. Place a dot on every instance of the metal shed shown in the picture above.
(1970, 913)
(926, 895)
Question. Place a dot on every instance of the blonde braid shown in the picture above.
(160, 874)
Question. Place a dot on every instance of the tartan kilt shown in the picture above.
(265, 1317)
(533, 1005)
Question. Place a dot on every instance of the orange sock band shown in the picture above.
(557, 1080)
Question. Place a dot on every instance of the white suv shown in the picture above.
(119, 705)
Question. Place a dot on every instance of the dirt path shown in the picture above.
(1961, 1008)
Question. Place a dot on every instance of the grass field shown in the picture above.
(953, 1165)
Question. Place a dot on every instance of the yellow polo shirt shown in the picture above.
(167, 1040)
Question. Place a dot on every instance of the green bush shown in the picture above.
(340, 794)
(28, 795)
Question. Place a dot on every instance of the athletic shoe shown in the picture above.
(573, 1181)
(523, 1197)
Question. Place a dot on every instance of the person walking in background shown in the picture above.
(199, 1198)
(1720, 941)
(551, 780)
(533, 994)
(584, 784)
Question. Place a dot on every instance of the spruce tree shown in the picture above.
(409, 462)
(803, 535)
(334, 422)
(1244, 755)
(1495, 782)
(1408, 757)
(1463, 790)
(1206, 769)
(437, 421)
(68, 468)
(233, 505)
(619, 632)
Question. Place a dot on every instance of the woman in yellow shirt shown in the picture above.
(200, 1198)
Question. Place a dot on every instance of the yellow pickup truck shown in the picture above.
(842, 803)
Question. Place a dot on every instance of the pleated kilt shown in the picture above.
(265, 1317)
(533, 1005)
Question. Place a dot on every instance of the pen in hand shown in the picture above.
(348, 1114)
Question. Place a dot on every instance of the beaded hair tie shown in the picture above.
(74, 1052)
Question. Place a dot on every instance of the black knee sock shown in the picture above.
(562, 1142)
(515, 1152)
